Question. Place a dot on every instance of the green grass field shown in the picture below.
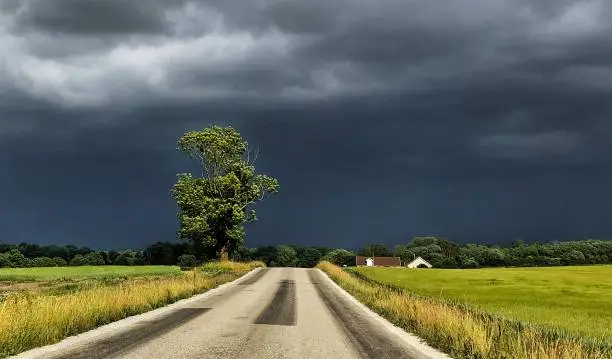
(85, 272)
(574, 299)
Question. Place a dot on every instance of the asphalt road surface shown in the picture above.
(276, 313)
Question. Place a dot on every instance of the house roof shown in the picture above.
(387, 261)
(379, 261)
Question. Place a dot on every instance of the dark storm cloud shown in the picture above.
(96, 17)
(479, 120)
(291, 49)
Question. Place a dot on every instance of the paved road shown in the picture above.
(277, 313)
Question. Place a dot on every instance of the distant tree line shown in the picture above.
(163, 253)
(443, 253)
(33, 255)
(294, 256)
(440, 252)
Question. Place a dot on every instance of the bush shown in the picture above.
(340, 257)
(15, 258)
(187, 261)
(78, 260)
(310, 258)
(124, 260)
(43, 262)
(448, 262)
(60, 262)
(95, 259)
(470, 263)
(4, 262)
(286, 256)
(573, 257)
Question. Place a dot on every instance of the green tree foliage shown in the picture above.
(374, 250)
(446, 254)
(104, 256)
(243, 254)
(139, 258)
(60, 262)
(470, 263)
(187, 261)
(43, 262)
(122, 260)
(309, 258)
(27, 255)
(4, 262)
(340, 257)
(286, 256)
(112, 256)
(266, 254)
(30, 250)
(16, 259)
(78, 260)
(573, 257)
(94, 259)
(274, 256)
(165, 253)
(213, 205)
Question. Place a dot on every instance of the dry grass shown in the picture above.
(462, 332)
(229, 266)
(29, 320)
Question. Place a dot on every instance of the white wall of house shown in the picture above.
(415, 263)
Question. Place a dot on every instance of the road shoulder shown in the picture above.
(415, 347)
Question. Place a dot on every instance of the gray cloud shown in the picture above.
(271, 51)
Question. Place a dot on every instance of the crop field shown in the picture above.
(40, 306)
(575, 299)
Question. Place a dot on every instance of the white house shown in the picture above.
(419, 262)
(369, 262)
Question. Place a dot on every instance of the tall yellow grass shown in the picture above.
(29, 320)
(229, 266)
(463, 333)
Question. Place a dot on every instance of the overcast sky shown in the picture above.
(481, 120)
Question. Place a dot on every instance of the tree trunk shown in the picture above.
(223, 254)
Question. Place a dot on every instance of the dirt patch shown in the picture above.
(19, 286)
(6, 288)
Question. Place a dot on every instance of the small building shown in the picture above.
(419, 262)
(378, 261)
(360, 261)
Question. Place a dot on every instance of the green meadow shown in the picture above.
(84, 272)
(577, 300)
